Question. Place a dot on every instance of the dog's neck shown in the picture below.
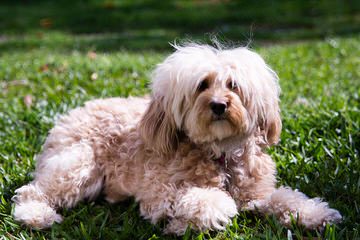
(228, 147)
(225, 150)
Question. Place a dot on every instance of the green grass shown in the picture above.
(54, 66)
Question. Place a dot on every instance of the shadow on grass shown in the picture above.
(140, 25)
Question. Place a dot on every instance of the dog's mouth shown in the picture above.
(225, 125)
(221, 117)
(218, 118)
(222, 120)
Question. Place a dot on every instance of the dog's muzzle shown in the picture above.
(218, 107)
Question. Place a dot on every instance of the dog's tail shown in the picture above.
(32, 207)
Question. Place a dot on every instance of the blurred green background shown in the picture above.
(114, 24)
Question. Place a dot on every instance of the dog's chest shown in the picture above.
(205, 173)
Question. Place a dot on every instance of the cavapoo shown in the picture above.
(193, 153)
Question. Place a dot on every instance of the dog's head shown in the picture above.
(211, 95)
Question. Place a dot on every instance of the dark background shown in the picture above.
(137, 25)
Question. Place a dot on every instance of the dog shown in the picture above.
(192, 153)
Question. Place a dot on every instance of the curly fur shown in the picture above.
(165, 151)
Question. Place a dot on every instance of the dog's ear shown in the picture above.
(158, 129)
(271, 126)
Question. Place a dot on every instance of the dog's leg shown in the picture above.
(255, 190)
(252, 179)
(63, 177)
(201, 208)
(287, 204)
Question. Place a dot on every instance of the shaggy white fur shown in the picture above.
(193, 153)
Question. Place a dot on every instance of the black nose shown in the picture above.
(218, 108)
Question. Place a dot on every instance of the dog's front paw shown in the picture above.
(289, 205)
(316, 214)
(203, 209)
(333, 217)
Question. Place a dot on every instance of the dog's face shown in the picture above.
(216, 110)
(211, 96)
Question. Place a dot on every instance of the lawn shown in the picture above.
(54, 57)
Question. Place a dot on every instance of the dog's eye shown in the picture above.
(232, 85)
(203, 85)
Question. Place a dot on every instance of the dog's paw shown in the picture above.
(332, 216)
(176, 226)
(208, 208)
(316, 214)
(289, 205)
(36, 214)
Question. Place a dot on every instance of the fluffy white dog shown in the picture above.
(193, 153)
